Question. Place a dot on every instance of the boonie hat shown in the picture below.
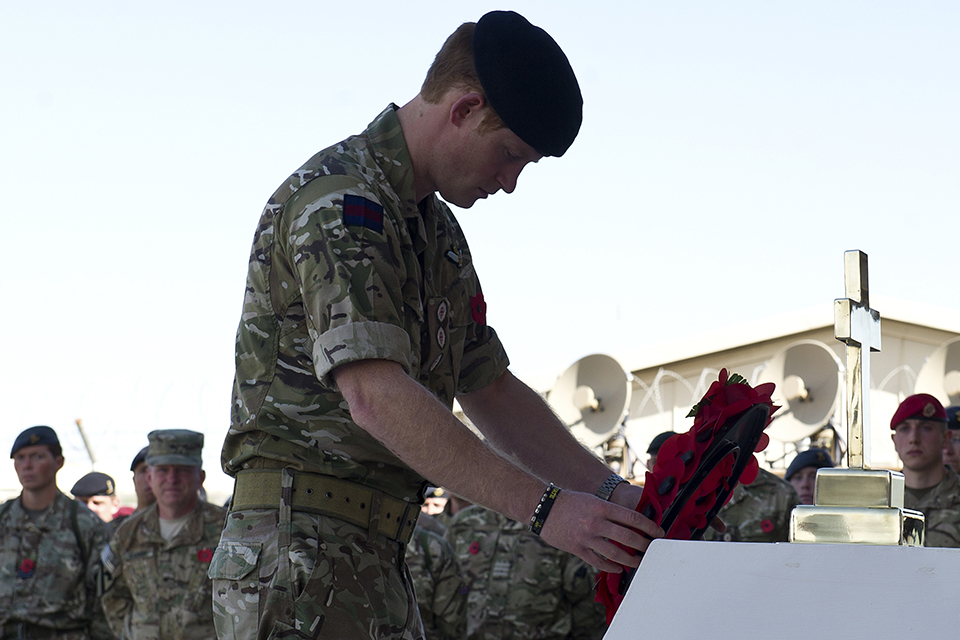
(94, 484)
(817, 458)
(921, 406)
(175, 446)
(528, 81)
(33, 436)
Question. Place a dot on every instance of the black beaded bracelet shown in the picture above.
(543, 509)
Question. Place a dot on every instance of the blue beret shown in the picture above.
(528, 81)
(953, 417)
(34, 436)
(139, 458)
(94, 484)
(817, 458)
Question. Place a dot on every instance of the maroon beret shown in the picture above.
(921, 406)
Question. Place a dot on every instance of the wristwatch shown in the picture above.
(611, 483)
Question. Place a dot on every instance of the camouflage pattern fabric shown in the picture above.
(520, 587)
(156, 589)
(758, 512)
(345, 266)
(941, 511)
(293, 575)
(50, 569)
(439, 584)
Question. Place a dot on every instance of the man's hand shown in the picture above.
(588, 527)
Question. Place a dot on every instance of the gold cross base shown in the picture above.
(857, 506)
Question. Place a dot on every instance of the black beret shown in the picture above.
(528, 81)
(817, 458)
(33, 436)
(436, 492)
(953, 417)
(139, 458)
(94, 484)
(657, 442)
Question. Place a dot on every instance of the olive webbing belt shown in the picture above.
(355, 503)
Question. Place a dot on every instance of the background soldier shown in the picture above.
(49, 551)
(757, 512)
(99, 492)
(438, 581)
(802, 472)
(157, 562)
(951, 448)
(919, 430)
(519, 586)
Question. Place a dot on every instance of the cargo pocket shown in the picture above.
(236, 588)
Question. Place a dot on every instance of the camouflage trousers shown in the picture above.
(311, 577)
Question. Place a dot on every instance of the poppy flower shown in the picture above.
(474, 548)
(25, 570)
(766, 526)
(478, 308)
(205, 555)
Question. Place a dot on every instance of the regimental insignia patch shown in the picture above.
(360, 212)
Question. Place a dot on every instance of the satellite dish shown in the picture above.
(809, 382)
(940, 374)
(591, 398)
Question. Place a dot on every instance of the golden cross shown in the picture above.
(858, 327)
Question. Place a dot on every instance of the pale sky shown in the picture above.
(730, 153)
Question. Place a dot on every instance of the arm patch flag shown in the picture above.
(360, 212)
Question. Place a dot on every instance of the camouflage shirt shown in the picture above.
(439, 585)
(50, 568)
(520, 587)
(941, 511)
(158, 589)
(758, 512)
(346, 266)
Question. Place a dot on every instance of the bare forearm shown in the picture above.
(433, 442)
(526, 429)
(409, 421)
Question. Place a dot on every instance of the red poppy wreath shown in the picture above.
(696, 471)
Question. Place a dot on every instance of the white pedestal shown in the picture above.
(721, 590)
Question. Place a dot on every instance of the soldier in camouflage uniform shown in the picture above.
(363, 321)
(438, 581)
(758, 512)
(156, 584)
(520, 587)
(919, 430)
(49, 552)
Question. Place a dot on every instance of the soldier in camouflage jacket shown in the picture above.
(49, 552)
(520, 588)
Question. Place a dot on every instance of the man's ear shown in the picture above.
(465, 106)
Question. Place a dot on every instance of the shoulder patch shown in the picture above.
(361, 212)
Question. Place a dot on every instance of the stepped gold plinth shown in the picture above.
(857, 506)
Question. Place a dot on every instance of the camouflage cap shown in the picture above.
(175, 446)
(33, 436)
(94, 484)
